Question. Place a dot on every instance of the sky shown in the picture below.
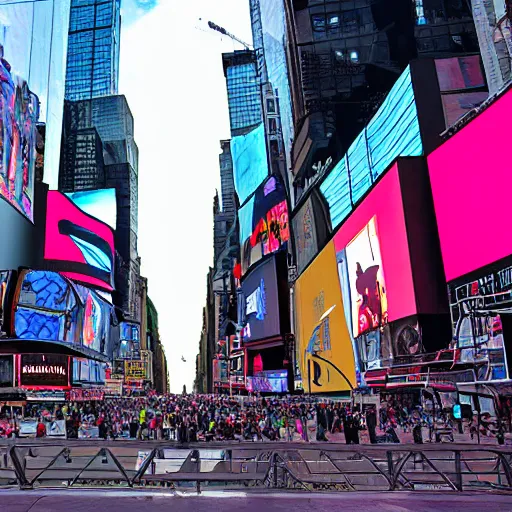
(171, 73)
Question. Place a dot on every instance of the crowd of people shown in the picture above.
(191, 418)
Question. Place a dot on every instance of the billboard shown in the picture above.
(100, 204)
(135, 370)
(272, 381)
(476, 233)
(264, 224)
(250, 165)
(380, 289)
(367, 285)
(261, 302)
(46, 307)
(78, 245)
(43, 370)
(393, 132)
(323, 342)
(19, 112)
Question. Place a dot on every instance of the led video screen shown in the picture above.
(78, 245)
(46, 308)
(268, 382)
(373, 255)
(264, 223)
(261, 302)
(19, 112)
(467, 172)
(323, 342)
(100, 204)
(43, 370)
(250, 165)
(393, 132)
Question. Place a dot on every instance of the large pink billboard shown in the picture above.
(471, 176)
(77, 245)
(373, 241)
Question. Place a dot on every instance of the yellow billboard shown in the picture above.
(324, 345)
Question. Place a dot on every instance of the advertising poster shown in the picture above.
(366, 280)
(88, 432)
(50, 370)
(56, 428)
(28, 428)
(19, 112)
(47, 307)
(79, 246)
(261, 299)
(135, 370)
(324, 343)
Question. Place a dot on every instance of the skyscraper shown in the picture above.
(93, 49)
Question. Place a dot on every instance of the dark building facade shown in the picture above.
(93, 49)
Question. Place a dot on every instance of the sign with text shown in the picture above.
(44, 370)
(135, 370)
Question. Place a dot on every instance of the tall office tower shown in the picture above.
(227, 185)
(93, 49)
(34, 36)
(344, 57)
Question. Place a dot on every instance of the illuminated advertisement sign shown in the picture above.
(100, 204)
(5, 279)
(47, 307)
(135, 370)
(373, 253)
(366, 281)
(323, 342)
(481, 309)
(264, 223)
(460, 174)
(261, 299)
(38, 370)
(268, 382)
(78, 245)
(96, 314)
(19, 112)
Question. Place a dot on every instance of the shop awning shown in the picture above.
(19, 346)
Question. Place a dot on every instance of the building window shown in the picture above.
(318, 22)
(354, 57)
(333, 21)
(271, 106)
(272, 126)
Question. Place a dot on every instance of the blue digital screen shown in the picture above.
(250, 166)
(393, 132)
(100, 204)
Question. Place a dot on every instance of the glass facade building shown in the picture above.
(244, 93)
(34, 36)
(93, 49)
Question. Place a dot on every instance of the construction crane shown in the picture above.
(223, 31)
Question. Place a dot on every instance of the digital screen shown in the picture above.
(100, 204)
(78, 245)
(47, 308)
(261, 302)
(5, 278)
(392, 132)
(250, 165)
(268, 382)
(461, 173)
(304, 229)
(324, 348)
(366, 280)
(381, 288)
(43, 370)
(19, 112)
(264, 223)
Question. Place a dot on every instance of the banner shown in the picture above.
(113, 387)
(56, 428)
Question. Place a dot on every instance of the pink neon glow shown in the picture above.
(470, 177)
(61, 247)
(385, 203)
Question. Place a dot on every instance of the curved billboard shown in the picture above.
(77, 245)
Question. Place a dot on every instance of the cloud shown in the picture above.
(133, 10)
(172, 76)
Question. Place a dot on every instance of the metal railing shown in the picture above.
(308, 467)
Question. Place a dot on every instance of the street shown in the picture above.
(85, 501)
